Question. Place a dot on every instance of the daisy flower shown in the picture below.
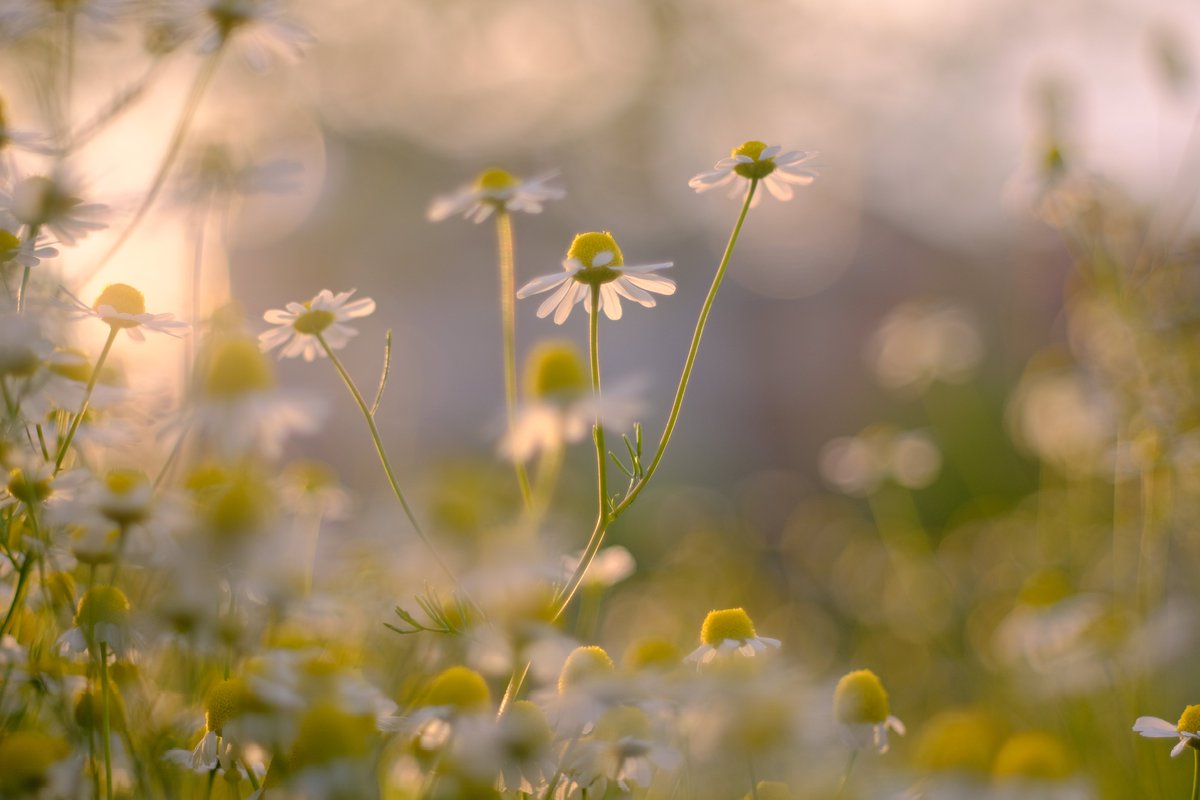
(727, 632)
(860, 706)
(594, 262)
(495, 189)
(50, 202)
(25, 253)
(122, 307)
(257, 28)
(102, 617)
(1187, 730)
(301, 327)
(755, 161)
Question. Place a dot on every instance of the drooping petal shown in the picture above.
(1155, 728)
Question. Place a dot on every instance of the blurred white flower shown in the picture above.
(122, 307)
(594, 263)
(610, 566)
(217, 171)
(860, 707)
(1065, 419)
(857, 465)
(257, 29)
(495, 189)
(778, 171)
(51, 203)
(922, 342)
(298, 326)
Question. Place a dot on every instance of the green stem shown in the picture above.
(250, 775)
(846, 775)
(87, 398)
(513, 688)
(106, 741)
(30, 237)
(383, 456)
(604, 519)
(190, 106)
(598, 431)
(22, 578)
(508, 327)
(1195, 774)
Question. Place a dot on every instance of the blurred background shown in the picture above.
(907, 422)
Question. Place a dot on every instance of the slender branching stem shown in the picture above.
(508, 326)
(87, 398)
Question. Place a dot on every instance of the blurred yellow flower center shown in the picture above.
(310, 476)
(29, 489)
(1033, 755)
(227, 16)
(9, 243)
(39, 200)
(25, 761)
(238, 368)
(313, 322)
(587, 248)
(328, 733)
(102, 605)
(860, 699)
(959, 740)
(525, 731)
(78, 370)
(1189, 721)
(123, 481)
(224, 702)
(652, 654)
(731, 623)
(555, 370)
(461, 688)
(495, 181)
(124, 299)
(583, 665)
(756, 169)
(622, 721)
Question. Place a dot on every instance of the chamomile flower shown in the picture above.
(50, 202)
(26, 253)
(224, 703)
(778, 171)
(727, 632)
(122, 307)
(594, 263)
(102, 617)
(860, 706)
(495, 190)
(300, 327)
(258, 29)
(1187, 730)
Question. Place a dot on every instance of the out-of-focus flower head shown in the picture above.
(495, 190)
(257, 29)
(51, 202)
(923, 342)
(755, 161)
(860, 706)
(726, 633)
(858, 465)
(122, 307)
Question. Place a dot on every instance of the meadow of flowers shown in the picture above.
(227, 571)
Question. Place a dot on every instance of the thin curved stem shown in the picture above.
(508, 327)
(191, 105)
(1195, 774)
(30, 237)
(87, 398)
(383, 457)
(846, 774)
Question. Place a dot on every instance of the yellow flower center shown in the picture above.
(1033, 754)
(101, 605)
(25, 761)
(756, 169)
(461, 688)
(89, 709)
(328, 733)
(583, 665)
(29, 489)
(496, 181)
(1189, 720)
(314, 322)
(77, 369)
(225, 701)
(621, 721)
(227, 16)
(555, 370)
(237, 368)
(959, 740)
(124, 481)
(310, 476)
(587, 248)
(9, 243)
(652, 654)
(121, 483)
(860, 699)
(124, 299)
(731, 623)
